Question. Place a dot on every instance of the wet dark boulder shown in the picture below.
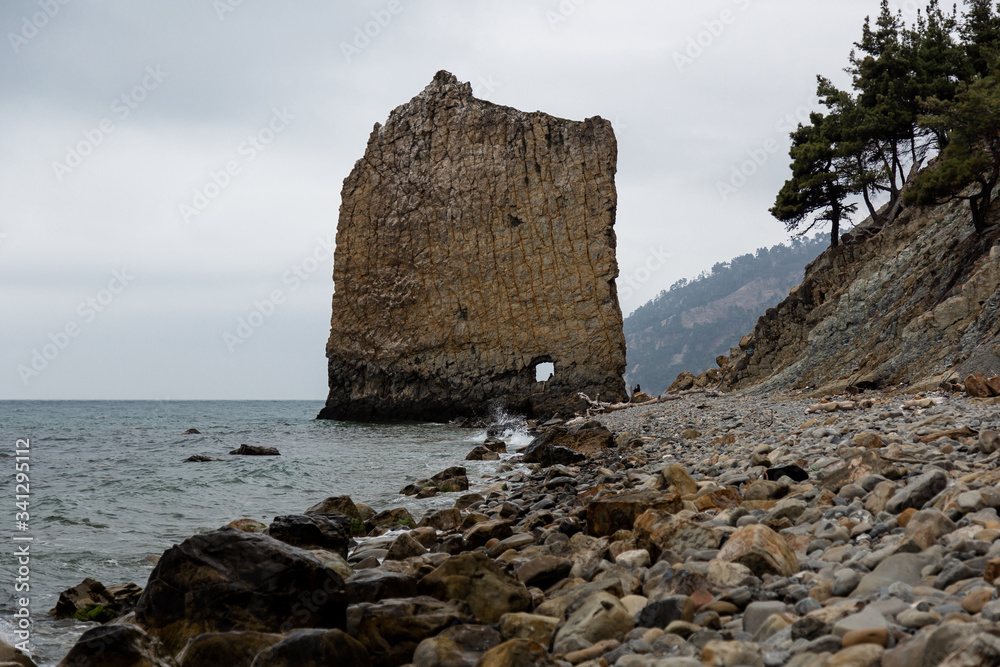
(255, 450)
(313, 531)
(229, 580)
(118, 646)
(90, 600)
(309, 648)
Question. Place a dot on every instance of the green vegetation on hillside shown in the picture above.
(930, 87)
(686, 327)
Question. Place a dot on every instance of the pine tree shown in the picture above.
(817, 185)
(969, 167)
(980, 32)
(938, 63)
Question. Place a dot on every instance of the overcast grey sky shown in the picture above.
(171, 168)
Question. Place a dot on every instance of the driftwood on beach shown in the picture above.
(598, 407)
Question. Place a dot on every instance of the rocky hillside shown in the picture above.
(694, 322)
(915, 301)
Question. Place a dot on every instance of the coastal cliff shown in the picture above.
(475, 242)
(915, 301)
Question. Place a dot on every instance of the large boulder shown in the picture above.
(225, 649)
(313, 531)
(118, 646)
(391, 629)
(608, 515)
(481, 583)
(314, 648)
(230, 580)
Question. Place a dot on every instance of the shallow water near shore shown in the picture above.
(110, 490)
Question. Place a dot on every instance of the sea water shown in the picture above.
(110, 489)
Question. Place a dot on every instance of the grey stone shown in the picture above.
(918, 491)
(905, 568)
(757, 612)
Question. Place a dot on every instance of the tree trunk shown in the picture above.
(871, 207)
(835, 226)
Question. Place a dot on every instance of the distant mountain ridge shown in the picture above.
(686, 327)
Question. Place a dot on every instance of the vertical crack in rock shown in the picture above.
(475, 241)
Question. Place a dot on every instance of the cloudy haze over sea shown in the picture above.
(171, 171)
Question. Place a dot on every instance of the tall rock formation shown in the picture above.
(475, 241)
(916, 300)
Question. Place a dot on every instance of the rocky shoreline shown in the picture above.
(652, 536)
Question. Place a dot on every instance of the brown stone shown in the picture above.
(880, 497)
(514, 213)
(336, 505)
(868, 463)
(992, 572)
(868, 440)
(685, 380)
(444, 520)
(994, 384)
(989, 441)
(479, 582)
(954, 434)
(976, 600)
(859, 655)
(675, 478)
(878, 636)
(905, 516)
(657, 531)
(760, 549)
(718, 499)
(517, 653)
(975, 386)
(484, 531)
(611, 514)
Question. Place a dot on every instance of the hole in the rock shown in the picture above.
(544, 371)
